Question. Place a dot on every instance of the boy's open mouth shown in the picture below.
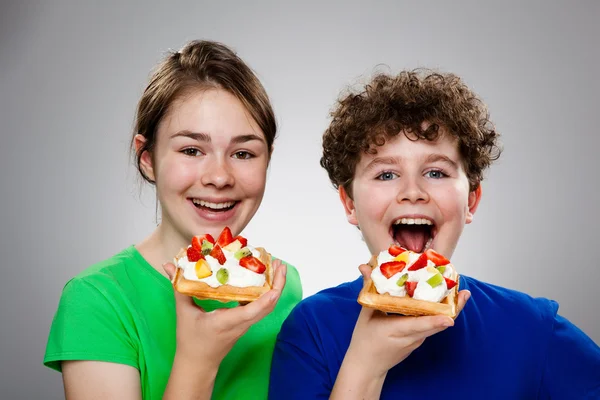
(214, 207)
(415, 234)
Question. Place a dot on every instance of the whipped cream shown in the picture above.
(238, 275)
(423, 291)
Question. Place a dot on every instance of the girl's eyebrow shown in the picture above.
(246, 138)
(201, 137)
(205, 137)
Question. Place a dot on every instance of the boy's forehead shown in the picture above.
(403, 146)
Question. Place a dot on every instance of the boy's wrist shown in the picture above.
(357, 379)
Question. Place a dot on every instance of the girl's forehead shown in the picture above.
(215, 113)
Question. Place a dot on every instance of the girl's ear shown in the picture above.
(348, 204)
(474, 199)
(146, 157)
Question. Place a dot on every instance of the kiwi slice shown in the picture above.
(441, 269)
(222, 276)
(402, 280)
(206, 247)
(241, 253)
(435, 280)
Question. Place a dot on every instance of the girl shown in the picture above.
(203, 136)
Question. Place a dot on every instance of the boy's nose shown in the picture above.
(217, 174)
(411, 191)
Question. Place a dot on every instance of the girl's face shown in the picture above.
(209, 164)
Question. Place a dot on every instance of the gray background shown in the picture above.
(71, 74)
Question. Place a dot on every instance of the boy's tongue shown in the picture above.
(412, 237)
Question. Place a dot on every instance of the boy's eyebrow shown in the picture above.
(436, 157)
(440, 157)
(382, 160)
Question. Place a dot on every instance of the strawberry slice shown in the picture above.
(410, 288)
(225, 237)
(396, 250)
(438, 259)
(193, 254)
(253, 264)
(390, 268)
(242, 240)
(450, 283)
(420, 263)
(197, 240)
(217, 253)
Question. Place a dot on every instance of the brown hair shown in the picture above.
(388, 105)
(200, 65)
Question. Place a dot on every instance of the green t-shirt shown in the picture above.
(123, 311)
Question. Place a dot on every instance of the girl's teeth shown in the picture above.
(215, 206)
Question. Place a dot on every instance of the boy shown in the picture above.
(407, 155)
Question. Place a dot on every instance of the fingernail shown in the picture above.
(467, 296)
(284, 270)
(448, 322)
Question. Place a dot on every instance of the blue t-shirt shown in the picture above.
(504, 345)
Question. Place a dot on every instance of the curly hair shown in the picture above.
(389, 105)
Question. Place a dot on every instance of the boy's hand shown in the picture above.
(381, 341)
(207, 337)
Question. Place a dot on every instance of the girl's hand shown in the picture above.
(207, 337)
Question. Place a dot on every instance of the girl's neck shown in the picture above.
(161, 246)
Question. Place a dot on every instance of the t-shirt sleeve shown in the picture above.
(88, 326)
(572, 367)
(298, 370)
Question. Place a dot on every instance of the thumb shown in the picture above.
(365, 271)
(170, 270)
(182, 301)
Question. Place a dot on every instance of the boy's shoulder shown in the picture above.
(502, 302)
(336, 296)
(332, 306)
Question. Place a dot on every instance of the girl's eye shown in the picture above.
(242, 155)
(436, 174)
(191, 152)
(387, 176)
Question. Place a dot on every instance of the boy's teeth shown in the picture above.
(413, 221)
(215, 206)
(428, 244)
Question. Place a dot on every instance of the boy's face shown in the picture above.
(413, 193)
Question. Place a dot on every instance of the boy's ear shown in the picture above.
(146, 158)
(348, 206)
(474, 199)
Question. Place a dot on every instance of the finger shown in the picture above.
(182, 301)
(410, 326)
(280, 274)
(170, 269)
(365, 271)
(426, 334)
(463, 297)
(258, 309)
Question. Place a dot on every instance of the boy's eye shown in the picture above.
(387, 176)
(242, 155)
(191, 152)
(436, 174)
